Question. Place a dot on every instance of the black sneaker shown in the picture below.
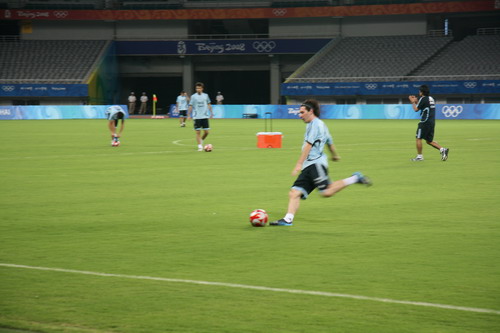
(281, 222)
(444, 154)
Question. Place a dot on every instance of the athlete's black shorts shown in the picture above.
(200, 124)
(314, 176)
(425, 131)
(183, 113)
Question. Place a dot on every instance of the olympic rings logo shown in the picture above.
(59, 14)
(451, 110)
(279, 12)
(8, 88)
(264, 46)
(470, 85)
(371, 86)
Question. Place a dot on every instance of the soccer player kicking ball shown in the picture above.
(427, 107)
(313, 164)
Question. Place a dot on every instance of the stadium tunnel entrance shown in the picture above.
(166, 90)
(237, 87)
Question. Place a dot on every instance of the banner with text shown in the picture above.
(44, 90)
(55, 112)
(223, 46)
(403, 88)
(250, 13)
(354, 111)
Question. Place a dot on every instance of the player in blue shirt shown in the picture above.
(313, 164)
(182, 106)
(200, 109)
(113, 114)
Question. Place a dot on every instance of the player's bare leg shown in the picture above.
(339, 185)
(293, 201)
(434, 144)
(293, 205)
(333, 188)
(419, 157)
(199, 140)
(419, 146)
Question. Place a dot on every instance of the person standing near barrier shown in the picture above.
(131, 103)
(313, 164)
(425, 130)
(144, 103)
(219, 98)
(182, 106)
(200, 109)
(113, 114)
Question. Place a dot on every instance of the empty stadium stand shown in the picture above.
(381, 58)
(476, 57)
(49, 61)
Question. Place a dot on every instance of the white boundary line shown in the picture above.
(244, 286)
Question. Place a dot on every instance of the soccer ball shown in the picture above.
(258, 218)
(208, 148)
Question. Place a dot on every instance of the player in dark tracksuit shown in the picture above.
(427, 107)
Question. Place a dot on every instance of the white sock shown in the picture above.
(351, 180)
(441, 149)
(420, 156)
(289, 217)
(200, 146)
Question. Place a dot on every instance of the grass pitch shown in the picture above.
(155, 207)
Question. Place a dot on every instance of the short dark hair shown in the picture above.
(199, 84)
(312, 104)
(424, 89)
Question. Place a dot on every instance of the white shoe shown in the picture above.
(417, 159)
(200, 148)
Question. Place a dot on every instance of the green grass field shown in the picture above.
(426, 232)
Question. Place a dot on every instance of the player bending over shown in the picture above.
(114, 113)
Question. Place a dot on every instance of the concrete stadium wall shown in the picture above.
(178, 29)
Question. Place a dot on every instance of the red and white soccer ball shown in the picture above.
(258, 218)
(208, 148)
(115, 143)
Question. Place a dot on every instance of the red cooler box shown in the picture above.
(269, 139)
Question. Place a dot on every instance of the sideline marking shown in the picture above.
(244, 286)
